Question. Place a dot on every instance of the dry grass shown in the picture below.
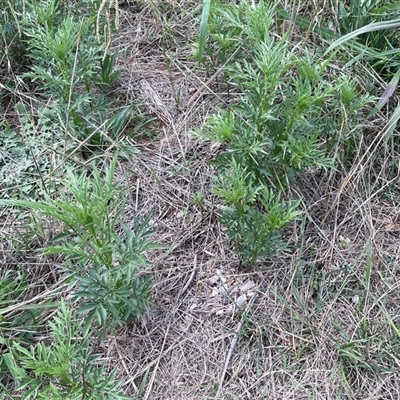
(305, 325)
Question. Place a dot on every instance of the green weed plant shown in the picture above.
(59, 53)
(65, 61)
(66, 58)
(295, 114)
(102, 257)
(74, 66)
(65, 367)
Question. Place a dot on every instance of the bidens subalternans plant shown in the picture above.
(102, 257)
(63, 368)
(288, 119)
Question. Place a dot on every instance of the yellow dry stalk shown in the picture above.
(112, 4)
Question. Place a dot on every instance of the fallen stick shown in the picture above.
(233, 344)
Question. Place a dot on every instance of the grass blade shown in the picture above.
(392, 123)
(375, 26)
(203, 26)
(387, 8)
(390, 89)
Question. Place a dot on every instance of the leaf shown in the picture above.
(386, 8)
(392, 123)
(88, 322)
(118, 122)
(30, 306)
(203, 26)
(375, 26)
(62, 236)
(16, 372)
(390, 89)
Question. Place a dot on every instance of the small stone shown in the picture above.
(214, 292)
(212, 280)
(247, 286)
(241, 300)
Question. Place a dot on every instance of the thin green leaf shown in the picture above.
(29, 307)
(375, 26)
(203, 26)
(386, 8)
(61, 236)
(386, 53)
(390, 89)
(143, 383)
(392, 123)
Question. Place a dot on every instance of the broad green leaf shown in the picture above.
(16, 372)
(118, 122)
